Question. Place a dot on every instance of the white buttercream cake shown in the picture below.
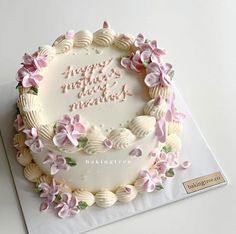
(97, 121)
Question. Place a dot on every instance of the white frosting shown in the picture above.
(124, 196)
(46, 133)
(142, 125)
(28, 102)
(83, 38)
(85, 196)
(105, 198)
(24, 156)
(95, 141)
(159, 90)
(19, 140)
(44, 179)
(48, 51)
(33, 119)
(157, 111)
(174, 141)
(121, 138)
(124, 42)
(32, 172)
(175, 127)
(63, 45)
(104, 37)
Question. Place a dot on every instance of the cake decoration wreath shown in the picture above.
(69, 134)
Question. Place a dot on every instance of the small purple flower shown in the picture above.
(127, 189)
(68, 131)
(67, 205)
(35, 61)
(166, 161)
(56, 162)
(157, 74)
(28, 78)
(137, 152)
(48, 194)
(32, 140)
(150, 179)
(19, 123)
(108, 143)
(70, 34)
(185, 164)
(133, 62)
(149, 50)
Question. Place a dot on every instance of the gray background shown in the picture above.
(200, 42)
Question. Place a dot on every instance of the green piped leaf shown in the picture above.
(145, 63)
(83, 141)
(71, 162)
(34, 90)
(170, 172)
(159, 187)
(58, 197)
(171, 74)
(82, 205)
(37, 189)
(167, 148)
(18, 85)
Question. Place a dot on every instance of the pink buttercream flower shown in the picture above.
(150, 179)
(33, 142)
(56, 162)
(67, 205)
(133, 62)
(150, 51)
(28, 78)
(19, 123)
(34, 61)
(48, 194)
(68, 131)
(157, 74)
(170, 115)
(70, 34)
(165, 161)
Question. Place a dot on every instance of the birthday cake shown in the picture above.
(97, 121)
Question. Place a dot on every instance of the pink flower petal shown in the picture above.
(152, 80)
(154, 68)
(145, 56)
(137, 152)
(59, 139)
(125, 62)
(186, 164)
(44, 206)
(105, 24)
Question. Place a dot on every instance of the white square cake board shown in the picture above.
(195, 149)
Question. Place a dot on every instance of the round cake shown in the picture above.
(97, 121)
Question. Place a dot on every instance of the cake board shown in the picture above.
(183, 185)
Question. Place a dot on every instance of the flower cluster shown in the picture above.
(150, 180)
(67, 203)
(68, 131)
(148, 56)
(33, 141)
(28, 75)
(56, 162)
(19, 123)
(164, 162)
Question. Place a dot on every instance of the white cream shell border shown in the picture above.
(139, 127)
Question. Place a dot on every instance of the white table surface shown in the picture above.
(200, 41)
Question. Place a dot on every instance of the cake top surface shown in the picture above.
(105, 84)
